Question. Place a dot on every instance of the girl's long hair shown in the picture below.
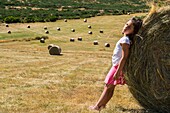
(137, 23)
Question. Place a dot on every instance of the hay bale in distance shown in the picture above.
(9, 32)
(47, 32)
(90, 32)
(148, 65)
(42, 40)
(54, 50)
(58, 28)
(95, 42)
(101, 31)
(79, 38)
(107, 45)
(6, 25)
(73, 30)
(65, 20)
(72, 39)
(85, 20)
(45, 27)
(28, 26)
(128, 13)
(89, 26)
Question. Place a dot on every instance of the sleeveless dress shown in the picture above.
(117, 55)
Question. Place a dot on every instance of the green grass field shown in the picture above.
(32, 81)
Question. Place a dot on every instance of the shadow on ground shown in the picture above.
(135, 110)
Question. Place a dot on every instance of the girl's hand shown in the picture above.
(116, 76)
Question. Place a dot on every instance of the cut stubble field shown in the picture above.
(32, 81)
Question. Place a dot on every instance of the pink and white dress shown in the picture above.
(117, 55)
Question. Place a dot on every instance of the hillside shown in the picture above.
(12, 11)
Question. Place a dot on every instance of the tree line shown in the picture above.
(25, 11)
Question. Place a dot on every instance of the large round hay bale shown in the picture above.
(148, 67)
(54, 50)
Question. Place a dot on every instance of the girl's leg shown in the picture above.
(105, 97)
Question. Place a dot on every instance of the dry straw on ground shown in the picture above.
(148, 67)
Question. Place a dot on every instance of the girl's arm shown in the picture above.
(125, 53)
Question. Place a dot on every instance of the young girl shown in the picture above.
(120, 55)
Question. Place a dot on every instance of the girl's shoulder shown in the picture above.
(125, 39)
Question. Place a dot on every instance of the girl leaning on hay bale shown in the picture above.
(120, 55)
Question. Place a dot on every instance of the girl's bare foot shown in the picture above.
(97, 108)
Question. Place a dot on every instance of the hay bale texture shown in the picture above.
(148, 67)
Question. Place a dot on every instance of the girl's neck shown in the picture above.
(125, 35)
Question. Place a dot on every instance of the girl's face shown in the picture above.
(128, 28)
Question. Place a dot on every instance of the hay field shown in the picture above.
(32, 81)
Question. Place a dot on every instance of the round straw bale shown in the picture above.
(55, 50)
(90, 32)
(72, 39)
(89, 26)
(85, 20)
(73, 30)
(148, 65)
(45, 27)
(128, 13)
(9, 32)
(47, 32)
(58, 28)
(6, 25)
(101, 31)
(65, 20)
(95, 42)
(107, 45)
(42, 40)
(79, 38)
(28, 26)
